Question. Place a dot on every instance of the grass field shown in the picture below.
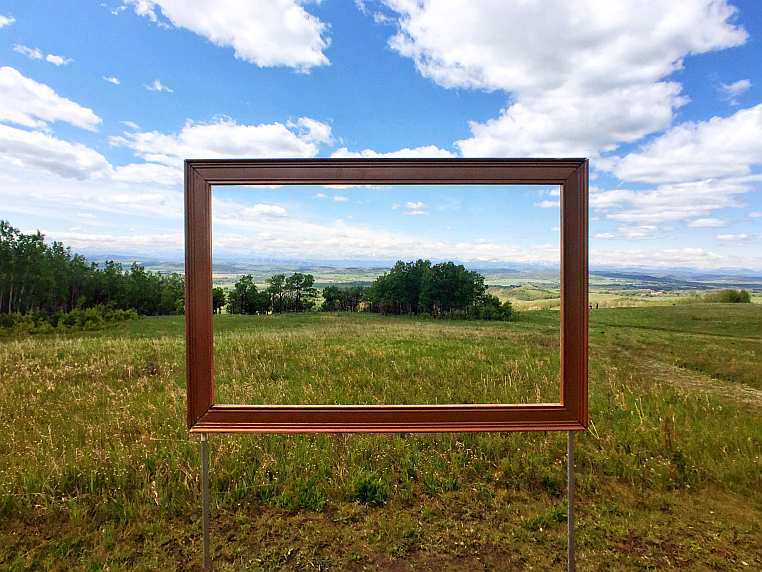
(538, 297)
(97, 470)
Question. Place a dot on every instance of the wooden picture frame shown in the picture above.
(206, 416)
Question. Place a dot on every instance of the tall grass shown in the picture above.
(93, 447)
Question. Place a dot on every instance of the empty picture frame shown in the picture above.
(205, 416)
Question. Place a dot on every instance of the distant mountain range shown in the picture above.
(340, 270)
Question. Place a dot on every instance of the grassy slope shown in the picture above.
(97, 470)
(533, 297)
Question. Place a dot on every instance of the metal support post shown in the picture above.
(205, 498)
(570, 565)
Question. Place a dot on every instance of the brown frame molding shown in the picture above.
(205, 416)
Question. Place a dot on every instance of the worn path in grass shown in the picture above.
(97, 471)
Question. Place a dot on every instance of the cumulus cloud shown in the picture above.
(222, 138)
(154, 173)
(6, 21)
(583, 77)
(668, 258)
(415, 208)
(708, 223)
(264, 209)
(37, 150)
(111, 79)
(311, 130)
(157, 86)
(58, 60)
(298, 237)
(31, 53)
(47, 193)
(428, 151)
(717, 147)
(37, 54)
(26, 102)
(669, 202)
(731, 91)
(261, 32)
(739, 237)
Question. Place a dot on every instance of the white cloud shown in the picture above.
(414, 208)
(290, 236)
(740, 237)
(276, 233)
(708, 223)
(36, 54)
(223, 138)
(321, 196)
(755, 214)
(428, 151)
(630, 232)
(668, 203)
(264, 209)
(123, 243)
(58, 60)
(311, 130)
(6, 21)
(44, 189)
(37, 150)
(162, 154)
(156, 85)
(563, 123)
(219, 139)
(340, 199)
(730, 91)
(32, 104)
(638, 232)
(262, 32)
(31, 53)
(547, 204)
(111, 79)
(583, 76)
(131, 124)
(718, 147)
(147, 173)
(668, 258)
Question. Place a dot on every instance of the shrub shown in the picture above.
(728, 296)
(370, 489)
(79, 319)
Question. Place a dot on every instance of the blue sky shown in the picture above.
(101, 102)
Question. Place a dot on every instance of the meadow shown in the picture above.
(98, 472)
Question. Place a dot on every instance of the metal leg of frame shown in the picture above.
(205, 498)
(570, 565)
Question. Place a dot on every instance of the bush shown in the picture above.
(79, 319)
(369, 488)
(492, 309)
(728, 296)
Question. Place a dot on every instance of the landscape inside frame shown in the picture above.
(386, 294)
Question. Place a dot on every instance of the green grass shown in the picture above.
(97, 470)
(371, 359)
(532, 296)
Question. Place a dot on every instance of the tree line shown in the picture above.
(420, 288)
(48, 279)
(41, 278)
(728, 296)
(294, 293)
